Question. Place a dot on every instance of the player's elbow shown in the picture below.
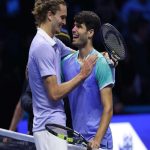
(54, 97)
(109, 110)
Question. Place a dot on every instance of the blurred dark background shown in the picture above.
(131, 17)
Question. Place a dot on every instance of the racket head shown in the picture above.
(113, 41)
(65, 133)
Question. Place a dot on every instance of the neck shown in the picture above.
(84, 52)
(47, 29)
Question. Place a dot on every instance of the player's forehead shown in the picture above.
(79, 24)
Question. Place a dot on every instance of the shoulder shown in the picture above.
(40, 45)
(101, 63)
(42, 52)
(101, 59)
(59, 42)
(70, 56)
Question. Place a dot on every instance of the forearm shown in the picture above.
(14, 123)
(58, 91)
(18, 113)
(104, 123)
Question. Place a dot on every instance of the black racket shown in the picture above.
(113, 42)
(67, 134)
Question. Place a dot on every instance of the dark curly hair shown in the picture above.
(90, 19)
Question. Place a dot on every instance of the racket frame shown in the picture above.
(70, 140)
(114, 55)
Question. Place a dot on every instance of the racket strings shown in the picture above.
(113, 41)
(67, 134)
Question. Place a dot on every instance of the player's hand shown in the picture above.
(88, 65)
(5, 140)
(94, 144)
(112, 61)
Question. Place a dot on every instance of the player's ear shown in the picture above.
(90, 33)
(49, 15)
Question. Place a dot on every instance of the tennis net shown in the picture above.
(10, 140)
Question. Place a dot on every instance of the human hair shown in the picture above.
(41, 7)
(89, 18)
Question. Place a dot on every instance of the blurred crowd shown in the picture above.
(131, 17)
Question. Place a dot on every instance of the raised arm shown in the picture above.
(57, 91)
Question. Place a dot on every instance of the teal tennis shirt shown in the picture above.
(85, 99)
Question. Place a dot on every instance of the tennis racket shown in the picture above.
(65, 133)
(113, 42)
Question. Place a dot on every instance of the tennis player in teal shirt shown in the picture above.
(91, 102)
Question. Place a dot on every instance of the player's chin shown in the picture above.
(58, 30)
(74, 42)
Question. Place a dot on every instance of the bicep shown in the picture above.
(50, 83)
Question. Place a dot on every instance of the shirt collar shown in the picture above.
(90, 53)
(50, 40)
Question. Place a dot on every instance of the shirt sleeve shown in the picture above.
(105, 75)
(45, 58)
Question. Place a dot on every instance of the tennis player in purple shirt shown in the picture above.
(44, 71)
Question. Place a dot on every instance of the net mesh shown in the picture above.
(10, 140)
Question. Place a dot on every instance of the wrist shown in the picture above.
(97, 140)
(81, 76)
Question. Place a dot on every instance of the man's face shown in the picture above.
(80, 35)
(59, 19)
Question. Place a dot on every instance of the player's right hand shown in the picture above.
(88, 65)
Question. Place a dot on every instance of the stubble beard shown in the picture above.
(80, 44)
